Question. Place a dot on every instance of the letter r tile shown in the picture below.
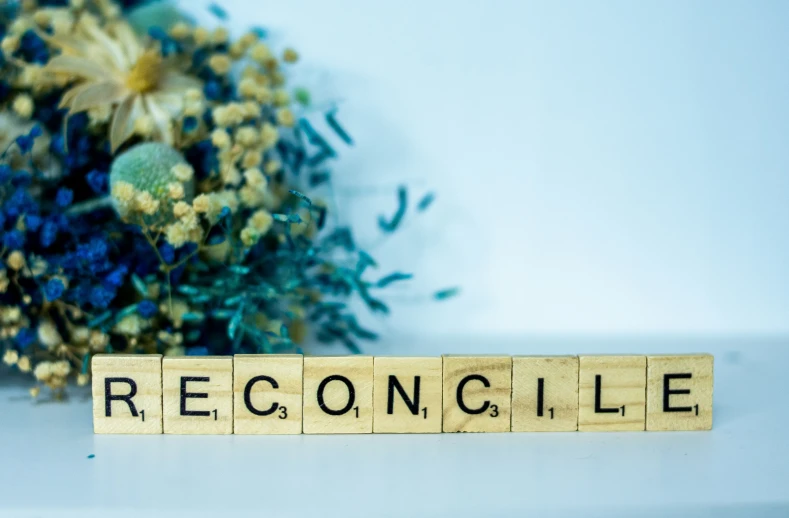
(198, 395)
(127, 393)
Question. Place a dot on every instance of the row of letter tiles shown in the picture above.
(290, 394)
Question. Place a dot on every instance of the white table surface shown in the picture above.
(741, 468)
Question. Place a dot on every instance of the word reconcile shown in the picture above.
(291, 394)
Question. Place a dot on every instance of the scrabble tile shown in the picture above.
(267, 392)
(679, 392)
(407, 395)
(338, 394)
(612, 393)
(198, 394)
(127, 393)
(545, 393)
(477, 393)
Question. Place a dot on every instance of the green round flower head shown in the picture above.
(155, 14)
(149, 167)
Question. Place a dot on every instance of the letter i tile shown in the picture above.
(544, 394)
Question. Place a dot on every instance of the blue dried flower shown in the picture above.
(33, 222)
(147, 309)
(92, 251)
(33, 48)
(167, 252)
(14, 240)
(64, 197)
(190, 124)
(213, 90)
(54, 289)
(25, 142)
(25, 337)
(21, 179)
(58, 145)
(116, 278)
(49, 232)
(100, 297)
(197, 351)
(98, 181)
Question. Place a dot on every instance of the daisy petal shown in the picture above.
(68, 97)
(128, 41)
(66, 43)
(110, 47)
(95, 94)
(76, 66)
(123, 122)
(170, 102)
(161, 118)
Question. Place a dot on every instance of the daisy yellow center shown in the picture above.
(144, 75)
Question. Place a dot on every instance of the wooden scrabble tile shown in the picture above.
(477, 393)
(612, 393)
(267, 392)
(545, 393)
(407, 395)
(198, 394)
(338, 394)
(127, 393)
(679, 392)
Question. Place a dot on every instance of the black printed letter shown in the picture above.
(461, 386)
(248, 392)
(598, 388)
(109, 397)
(394, 383)
(196, 395)
(667, 392)
(351, 395)
(540, 396)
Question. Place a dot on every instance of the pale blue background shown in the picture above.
(602, 167)
(606, 167)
